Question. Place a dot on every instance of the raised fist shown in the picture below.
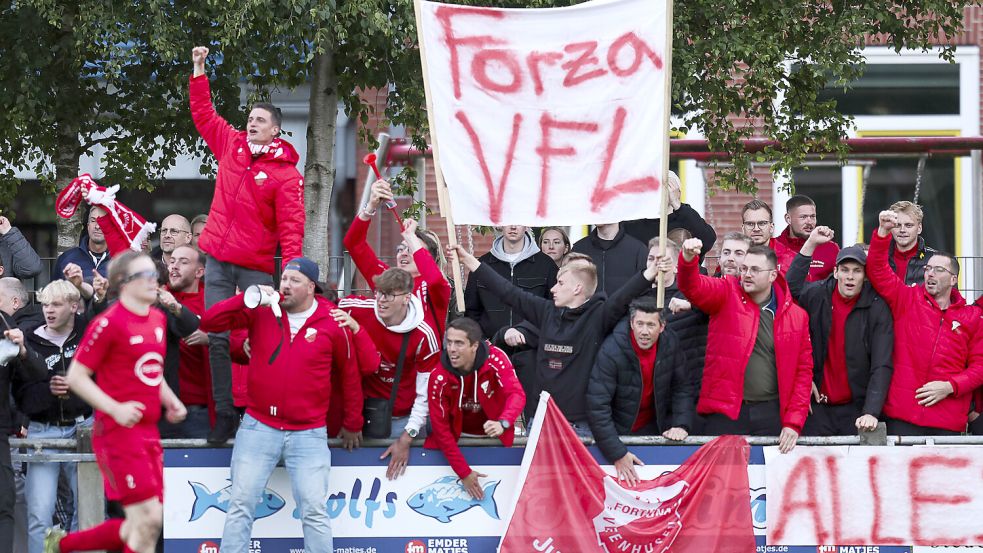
(887, 220)
(199, 54)
(821, 235)
(692, 248)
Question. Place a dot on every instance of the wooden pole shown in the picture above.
(443, 199)
(660, 297)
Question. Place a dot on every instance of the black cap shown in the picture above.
(852, 253)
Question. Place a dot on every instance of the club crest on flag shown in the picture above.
(646, 520)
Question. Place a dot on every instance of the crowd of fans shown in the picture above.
(789, 335)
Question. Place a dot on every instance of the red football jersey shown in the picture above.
(126, 353)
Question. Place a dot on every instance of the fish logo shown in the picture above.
(269, 502)
(446, 498)
(758, 508)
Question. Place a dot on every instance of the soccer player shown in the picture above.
(124, 347)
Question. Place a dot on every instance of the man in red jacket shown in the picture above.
(935, 366)
(473, 391)
(759, 225)
(800, 214)
(184, 274)
(291, 362)
(758, 372)
(394, 320)
(258, 204)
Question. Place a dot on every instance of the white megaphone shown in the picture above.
(255, 297)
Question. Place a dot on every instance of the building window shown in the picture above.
(824, 185)
(900, 89)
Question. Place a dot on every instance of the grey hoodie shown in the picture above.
(529, 249)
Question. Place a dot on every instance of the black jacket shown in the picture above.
(685, 217)
(617, 260)
(35, 398)
(915, 273)
(13, 372)
(615, 391)
(568, 338)
(536, 275)
(869, 331)
(691, 327)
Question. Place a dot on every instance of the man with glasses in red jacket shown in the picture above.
(935, 372)
(758, 372)
(258, 204)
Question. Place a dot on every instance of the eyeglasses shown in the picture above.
(145, 275)
(753, 271)
(938, 270)
(172, 231)
(756, 224)
(386, 298)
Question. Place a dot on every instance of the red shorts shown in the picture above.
(132, 465)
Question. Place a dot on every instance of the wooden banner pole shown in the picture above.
(443, 199)
(663, 192)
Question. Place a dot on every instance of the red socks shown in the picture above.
(102, 537)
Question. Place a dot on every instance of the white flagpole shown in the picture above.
(537, 426)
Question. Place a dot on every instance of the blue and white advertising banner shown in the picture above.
(424, 511)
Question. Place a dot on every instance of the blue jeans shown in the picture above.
(41, 485)
(258, 448)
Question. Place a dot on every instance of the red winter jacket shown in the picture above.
(823, 259)
(430, 285)
(733, 328)
(258, 202)
(493, 385)
(293, 393)
(368, 360)
(784, 253)
(929, 345)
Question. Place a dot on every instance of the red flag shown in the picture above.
(124, 228)
(567, 503)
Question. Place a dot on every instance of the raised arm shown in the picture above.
(355, 241)
(707, 293)
(881, 276)
(686, 217)
(438, 289)
(798, 270)
(216, 131)
(228, 314)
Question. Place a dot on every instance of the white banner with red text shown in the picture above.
(549, 116)
(922, 496)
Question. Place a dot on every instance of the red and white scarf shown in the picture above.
(124, 228)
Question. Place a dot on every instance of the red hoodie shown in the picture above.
(293, 392)
(823, 259)
(194, 371)
(258, 202)
(930, 344)
(493, 385)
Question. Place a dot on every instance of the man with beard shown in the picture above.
(290, 366)
(852, 336)
(934, 372)
(474, 391)
(733, 248)
(800, 214)
(175, 230)
(185, 272)
(759, 225)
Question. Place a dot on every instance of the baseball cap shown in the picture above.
(307, 268)
(852, 253)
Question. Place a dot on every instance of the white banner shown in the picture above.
(923, 496)
(549, 116)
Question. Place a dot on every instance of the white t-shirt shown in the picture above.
(297, 320)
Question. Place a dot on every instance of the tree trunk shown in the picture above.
(66, 161)
(320, 169)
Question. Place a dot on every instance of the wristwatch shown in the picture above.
(505, 424)
(412, 432)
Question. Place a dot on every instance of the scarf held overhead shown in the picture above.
(123, 227)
